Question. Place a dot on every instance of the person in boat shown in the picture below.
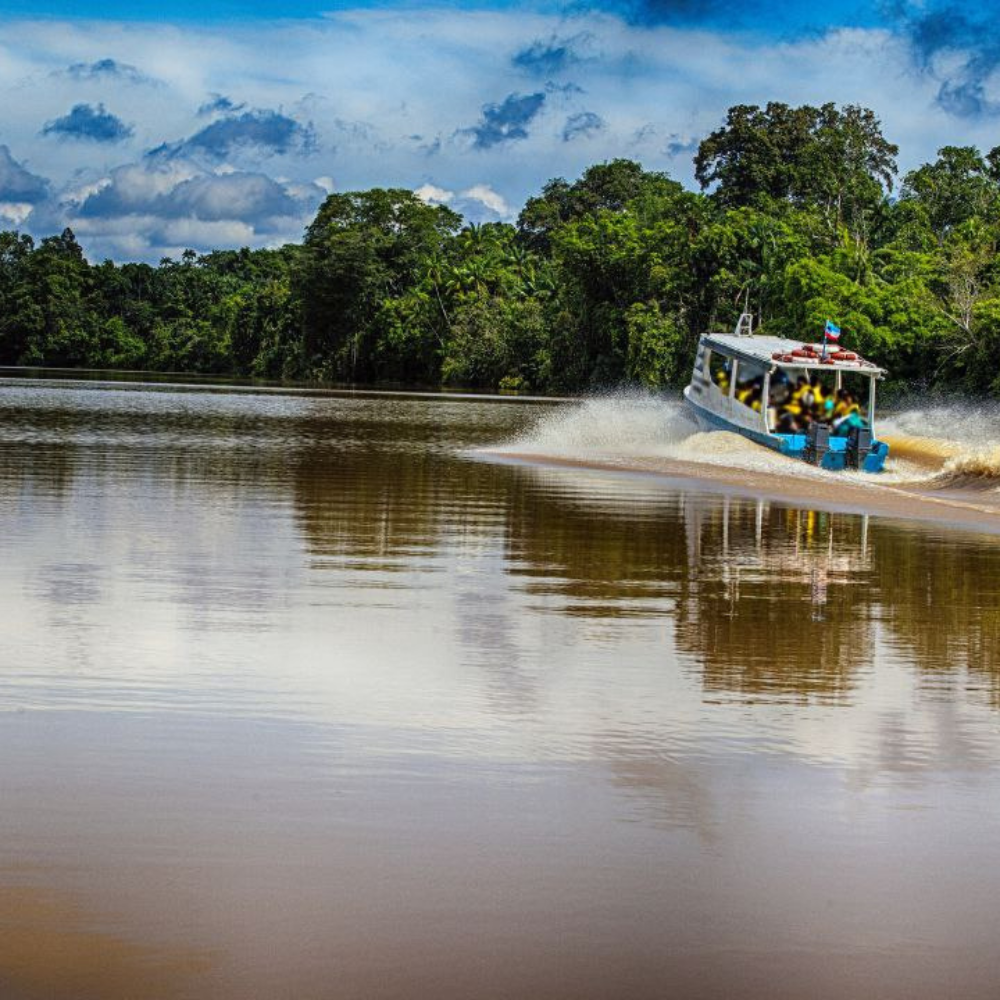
(803, 395)
(749, 392)
(781, 389)
(798, 409)
(722, 379)
(814, 399)
(847, 414)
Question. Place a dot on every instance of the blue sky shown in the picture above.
(226, 124)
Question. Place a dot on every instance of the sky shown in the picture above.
(149, 128)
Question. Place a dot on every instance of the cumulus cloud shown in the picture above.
(262, 130)
(90, 124)
(17, 184)
(153, 207)
(582, 125)
(678, 145)
(485, 195)
(506, 121)
(244, 196)
(175, 190)
(106, 69)
(434, 195)
(478, 203)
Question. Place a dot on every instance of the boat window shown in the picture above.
(720, 369)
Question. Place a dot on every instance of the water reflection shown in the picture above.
(767, 599)
(776, 601)
(299, 683)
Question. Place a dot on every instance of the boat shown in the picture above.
(734, 373)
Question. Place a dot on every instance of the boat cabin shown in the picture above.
(800, 398)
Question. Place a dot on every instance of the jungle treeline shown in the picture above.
(603, 281)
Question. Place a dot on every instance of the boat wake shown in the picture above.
(943, 451)
(955, 447)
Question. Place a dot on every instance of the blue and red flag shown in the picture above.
(831, 331)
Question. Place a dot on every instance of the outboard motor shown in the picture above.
(859, 444)
(819, 442)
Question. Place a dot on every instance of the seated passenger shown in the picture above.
(781, 388)
(847, 414)
(804, 393)
(824, 404)
(748, 391)
(844, 402)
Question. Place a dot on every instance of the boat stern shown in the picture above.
(835, 453)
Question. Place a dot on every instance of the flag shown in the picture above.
(832, 331)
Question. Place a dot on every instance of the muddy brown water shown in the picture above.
(307, 695)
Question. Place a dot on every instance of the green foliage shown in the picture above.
(363, 247)
(834, 160)
(605, 280)
(958, 186)
(652, 357)
(495, 341)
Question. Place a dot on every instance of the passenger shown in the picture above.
(781, 389)
(844, 425)
(722, 380)
(804, 394)
(847, 415)
(747, 391)
(824, 404)
(848, 420)
(845, 404)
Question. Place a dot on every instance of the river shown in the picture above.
(356, 695)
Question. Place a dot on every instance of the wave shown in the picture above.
(633, 430)
(955, 446)
(933, 448)
(619, 423)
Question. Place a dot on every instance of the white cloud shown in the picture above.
(484, 194)
(15, 212)
(434, 195)
(386, 95)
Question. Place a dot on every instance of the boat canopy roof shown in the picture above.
(777, 352)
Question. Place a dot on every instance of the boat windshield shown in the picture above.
(720, 368)
(750, 384)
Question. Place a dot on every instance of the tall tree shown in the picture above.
(363, 248)
(603, 187)
(836, 161)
